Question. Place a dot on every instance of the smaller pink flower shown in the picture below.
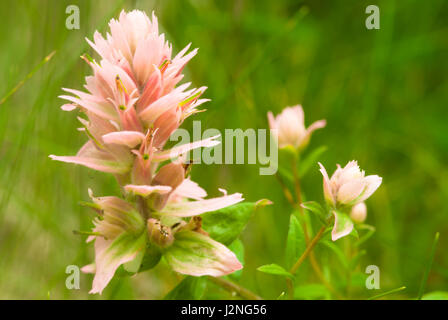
(349, 185)
(289, 127)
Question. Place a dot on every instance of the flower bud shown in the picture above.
(289, 127)
(359, 213)
(159, 234)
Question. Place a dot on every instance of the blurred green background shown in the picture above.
(383, 93)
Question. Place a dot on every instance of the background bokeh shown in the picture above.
(383, 92)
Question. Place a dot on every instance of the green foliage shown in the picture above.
(275, 269)
(190, 288)
(225, 225)
(317, 209)
(428, 266)
(295, 243)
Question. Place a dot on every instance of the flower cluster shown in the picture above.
(132, 105)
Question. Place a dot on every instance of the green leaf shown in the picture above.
(310, 160)
(295, 244)
(317, 209)
(237, 248)
(225, 225)
(436, 295)
(190, 288)
(275, 269)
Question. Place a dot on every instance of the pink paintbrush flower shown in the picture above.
(132, 106)
(289, 127)
(132, 91)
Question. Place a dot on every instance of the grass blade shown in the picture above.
(387, 293)
(28, 76)
(428, 267)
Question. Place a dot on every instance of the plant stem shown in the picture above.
(286, 191)
(314, 263)
(308, 250)
(235, 288)
(297, 185)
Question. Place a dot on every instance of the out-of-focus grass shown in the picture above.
(382, 92)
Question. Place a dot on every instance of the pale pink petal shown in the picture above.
(190, 189)
(130, 139)
(90, 268)
(145, 191)
(93, 158)
(372, 183)
(163, 104)
(350, 191)
(316, 125)
(68, 107)
(152, 90)
(193, 208)
(176, 151)
(165, 125)
(102, 109)
(92, 163)
(327, 186)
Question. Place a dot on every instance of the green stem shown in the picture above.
(308, 250)
(232, 287)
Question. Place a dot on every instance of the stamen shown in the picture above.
(164, 65)
(120, 85)
(191, 98)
